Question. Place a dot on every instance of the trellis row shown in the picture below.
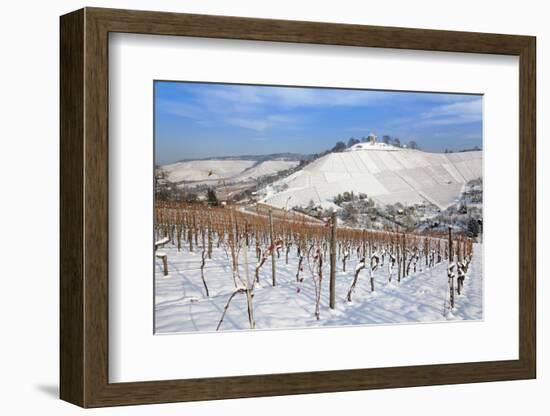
(196, 227)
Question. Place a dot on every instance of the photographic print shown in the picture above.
(281, 207)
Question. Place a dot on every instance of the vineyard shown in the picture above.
(236, 267)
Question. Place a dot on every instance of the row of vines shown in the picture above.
(280, 235)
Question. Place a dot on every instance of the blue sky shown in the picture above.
(198, 120)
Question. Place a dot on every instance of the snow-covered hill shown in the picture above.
(385, 173)
(232, 170)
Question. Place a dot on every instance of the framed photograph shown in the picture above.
(254, 207)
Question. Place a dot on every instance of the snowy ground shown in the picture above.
(181, 304)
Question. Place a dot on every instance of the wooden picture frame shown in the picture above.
(84, 207)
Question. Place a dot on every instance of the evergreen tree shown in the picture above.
(211, 197)
(339, 147)
(473, 227)
(353, 141)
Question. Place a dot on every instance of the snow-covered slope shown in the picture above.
(385, 173)
(230, 170)
(269, 167)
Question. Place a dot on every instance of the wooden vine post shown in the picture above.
(249, 287)
(165, 264)
(404, 254)
(364, 253)
(332, 284)
(273, 264)
(209, 236)
(451, 276)
(398, 261)
(451, 256)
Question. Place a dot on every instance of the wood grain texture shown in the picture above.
(96, 208)
(226, 27)
(71, 208)
(84, 207)
(527, 208)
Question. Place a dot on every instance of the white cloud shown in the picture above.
(258, 125)
(303, 97)
(245, 97)
(262, 123)
(459, 112)
(181, 109)
(260, 108)
(455, 113)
